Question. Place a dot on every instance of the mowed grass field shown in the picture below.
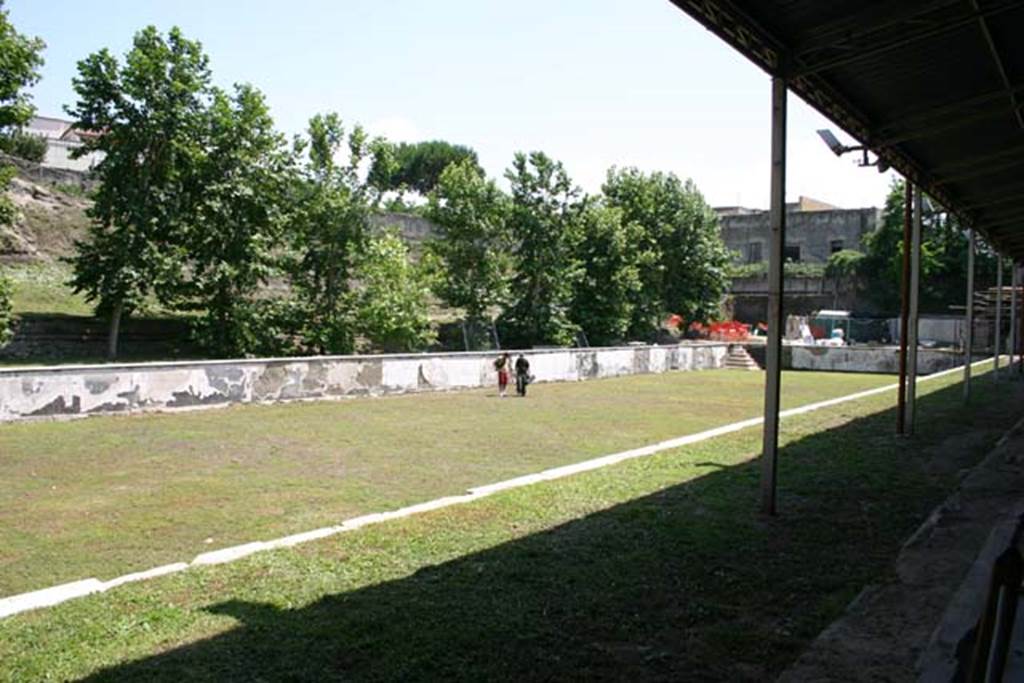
(654, 569)
(106, 496)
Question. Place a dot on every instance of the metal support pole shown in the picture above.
(998, 341)
(773, 350)
(915, 299)
(1020, 323)
(901, 398)
(1013, 313)
(969, 317)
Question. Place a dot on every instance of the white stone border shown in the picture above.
(57, 594)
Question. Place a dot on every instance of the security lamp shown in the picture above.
(839, 149)
(832, 141)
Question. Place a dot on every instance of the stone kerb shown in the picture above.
(71, 391)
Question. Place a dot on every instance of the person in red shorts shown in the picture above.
(502, 365)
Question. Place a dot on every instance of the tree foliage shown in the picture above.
(418, 166)
(605, 294)
(150, 111)
(682, 261)
(202, 206)
(6, 316)
(544, 226)
(471, 247)
(329, 228)
(25, 145)
(234, 235)
(21, 60)
(944, 247)
(392, 297)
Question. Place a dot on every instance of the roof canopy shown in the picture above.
(933, 87)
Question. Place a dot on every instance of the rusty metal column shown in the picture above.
(969, 316)
(1013, 314)
(915, 300)
(997, 341)
(901, 398)
(1020, 321)
(776, 251)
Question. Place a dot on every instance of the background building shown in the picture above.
(62, 138)
(814, 230)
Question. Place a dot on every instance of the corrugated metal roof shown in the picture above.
(934, 87)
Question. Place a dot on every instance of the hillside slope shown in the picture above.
(51, 216)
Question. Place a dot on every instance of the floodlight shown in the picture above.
(882, 164)
(832, 141)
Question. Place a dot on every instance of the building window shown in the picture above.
(791, 253)
(834, 246)
(754, 252)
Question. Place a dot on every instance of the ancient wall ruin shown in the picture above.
(97, 389)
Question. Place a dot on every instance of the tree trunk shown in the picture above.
(115, 330)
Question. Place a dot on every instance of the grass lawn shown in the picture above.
(105, 496)
(41, 287)
(654, 569)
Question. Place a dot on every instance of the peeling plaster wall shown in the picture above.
(868, 359)
(85, 390)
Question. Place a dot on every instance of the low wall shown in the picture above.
(883, 359)
(96, 389)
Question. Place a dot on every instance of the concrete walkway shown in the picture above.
(910, 628)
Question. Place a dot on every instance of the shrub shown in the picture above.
(24, 145)
(6, 318)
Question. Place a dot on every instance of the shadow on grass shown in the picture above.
(687, 583)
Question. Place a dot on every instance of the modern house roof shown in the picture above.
(48, 127)
(934, 87)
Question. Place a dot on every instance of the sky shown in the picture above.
(593, 83)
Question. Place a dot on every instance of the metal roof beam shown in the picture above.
(995, 99)
(907, 133)
(884, 47)
(969, 162)
(862, 24)
(739, 29)
(1003, 222)
(981, 171)
(999, 200)
(1000, 65)
(1007, 213)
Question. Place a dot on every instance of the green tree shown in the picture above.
(24, 145)
(418, 166)
(944, 247)
(329, 229)
(544, 226)
(150, 112)
(6, 316)
(604, 295)
(842, 268)
(682, 260)
(392, 298)
(471, 247)
(234, 236)
(20, 59)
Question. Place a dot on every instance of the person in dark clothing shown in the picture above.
(522, 374)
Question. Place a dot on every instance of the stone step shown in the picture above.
(739, 359)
